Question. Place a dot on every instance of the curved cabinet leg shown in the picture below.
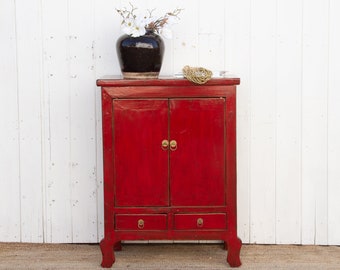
(234, 248)
(108, 258)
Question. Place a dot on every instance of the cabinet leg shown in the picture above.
(108, 257)
(225, 245)
(234, 248)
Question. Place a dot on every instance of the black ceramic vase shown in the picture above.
(140, 57)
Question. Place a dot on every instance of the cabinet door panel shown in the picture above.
(197, 169)
(140, 164)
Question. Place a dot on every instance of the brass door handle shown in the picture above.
(140, 224)
(173, 145)
(165, 144)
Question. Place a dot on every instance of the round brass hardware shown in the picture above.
(173, 145)
(165, 144)
(200, 222)
(140, 224)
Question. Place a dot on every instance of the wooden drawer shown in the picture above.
(200, 221)
(141, 222)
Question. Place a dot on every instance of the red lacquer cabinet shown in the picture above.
(169, 162)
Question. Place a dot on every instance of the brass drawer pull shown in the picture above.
(173, 145)
(200, 222)
(140, 224)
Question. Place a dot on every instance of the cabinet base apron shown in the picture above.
(231, 243)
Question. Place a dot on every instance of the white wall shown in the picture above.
(286, 53)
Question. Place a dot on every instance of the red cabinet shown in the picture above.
(169, 162)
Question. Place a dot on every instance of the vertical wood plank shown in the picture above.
(9, 135)
(82, 121)
(314, 122)
(263, 109)
(288, 122)
(211, 34)
(28, 16)
(185, 51)
(334, 126)
(58, 217)
(107, 31)
(237, 60)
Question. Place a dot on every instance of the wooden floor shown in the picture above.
(167, 256)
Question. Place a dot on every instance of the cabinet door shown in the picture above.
(197, 163)
(140, 163)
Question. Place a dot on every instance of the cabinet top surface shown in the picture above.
(163, 81)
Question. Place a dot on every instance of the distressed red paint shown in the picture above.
(169, 162)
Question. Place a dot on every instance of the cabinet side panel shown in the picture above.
(197, 170)
(231, 189)
(141, 165)
(107, 161)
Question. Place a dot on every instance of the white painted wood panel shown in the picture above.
(286, 54)
(314, 121)
(237, 61)
(263, 109)
(58, 200)
(82, 121)
(211, 34)
(10, 212)
(288, 121)
(29, 74)
(333, 125)
(186, 43)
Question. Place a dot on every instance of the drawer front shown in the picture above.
(201, 221)
(141, 222)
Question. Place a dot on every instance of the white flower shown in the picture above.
(127, 26)
(134, 28)
(138, 31)
(136, 25)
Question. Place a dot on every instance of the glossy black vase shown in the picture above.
(140, 57)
